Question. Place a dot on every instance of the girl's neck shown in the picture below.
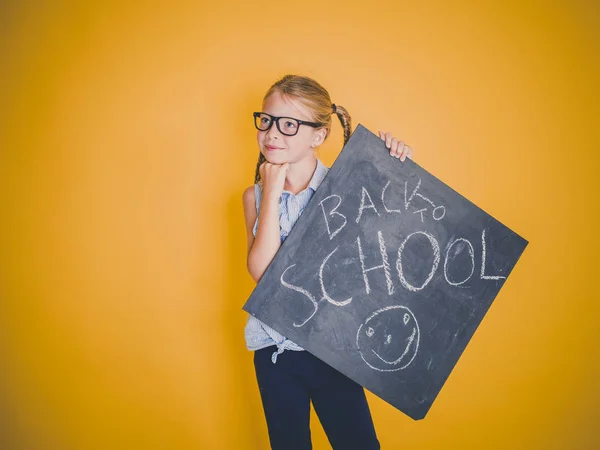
(299, 175)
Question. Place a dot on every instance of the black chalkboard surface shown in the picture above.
(386, 275)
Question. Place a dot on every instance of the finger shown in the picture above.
(382, 135)
(400, 148)
(409, 152)
(405, 150)
(395, 148)
(388, 139)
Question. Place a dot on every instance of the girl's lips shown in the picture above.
(271, 148)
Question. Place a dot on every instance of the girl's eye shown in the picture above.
(290, 124)
(265, 120)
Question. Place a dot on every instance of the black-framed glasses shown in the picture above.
(286, 125)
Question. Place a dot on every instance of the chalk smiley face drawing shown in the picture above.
(389, 338)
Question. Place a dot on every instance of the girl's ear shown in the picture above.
(319, 137)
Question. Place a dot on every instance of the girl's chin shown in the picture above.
(275, 158)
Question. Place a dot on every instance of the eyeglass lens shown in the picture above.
(286, 125)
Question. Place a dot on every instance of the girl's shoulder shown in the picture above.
(249, 196)
(252, 195)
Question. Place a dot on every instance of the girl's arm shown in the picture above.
(263, 247)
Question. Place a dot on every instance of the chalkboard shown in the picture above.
(386, 275)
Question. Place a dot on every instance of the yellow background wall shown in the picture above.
(125, 143)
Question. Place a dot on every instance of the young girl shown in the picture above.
(296, 119)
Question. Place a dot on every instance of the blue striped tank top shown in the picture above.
(259, 335)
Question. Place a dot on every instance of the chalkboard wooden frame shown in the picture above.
(386, 275)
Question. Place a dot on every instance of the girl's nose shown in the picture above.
(273, 131)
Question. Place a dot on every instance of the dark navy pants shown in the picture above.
(288, 387)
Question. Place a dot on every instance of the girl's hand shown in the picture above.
(273, 178)
(397, 148)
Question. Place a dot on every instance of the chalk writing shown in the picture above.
(458, 244)
(333, 212)
(383, 345)
(303, 292)
(323, 291)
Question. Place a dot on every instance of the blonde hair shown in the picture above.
(316, 98)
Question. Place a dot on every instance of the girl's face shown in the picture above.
(279, 148)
